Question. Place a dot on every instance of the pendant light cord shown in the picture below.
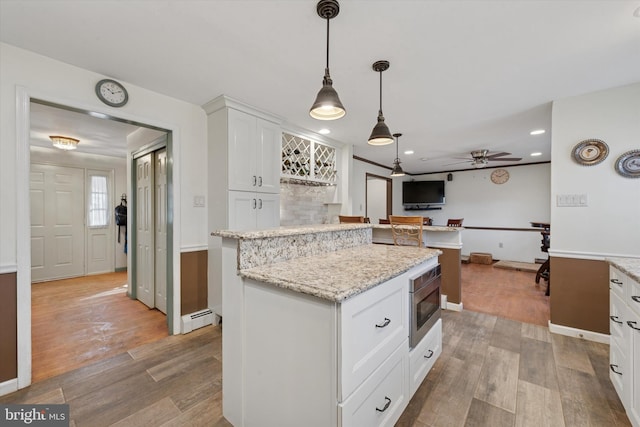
(380, 110)
(327, 44)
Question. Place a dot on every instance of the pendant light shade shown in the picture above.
(327, 105)
(397, 169)
(380, 135)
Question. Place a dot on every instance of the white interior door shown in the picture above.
(160, 174)
(144, 231)
(57, 222)
(376, 199)
(100, 252)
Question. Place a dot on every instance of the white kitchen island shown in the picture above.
(316, 325)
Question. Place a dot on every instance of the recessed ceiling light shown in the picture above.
(536, 154)
(537, 132)
(408, 152)
(324, 131)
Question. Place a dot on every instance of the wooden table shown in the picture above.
(544, 271)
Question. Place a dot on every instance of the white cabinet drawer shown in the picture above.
(424, 355)
(380, 400)
(373, 325)
(618, 317)
(619, 372)
(617, 281)
(633, 294)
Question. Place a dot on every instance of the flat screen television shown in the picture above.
(423, 193)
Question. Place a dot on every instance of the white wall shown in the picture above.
(376, 199)
(25, 75)
(610, 224)
(472, 196)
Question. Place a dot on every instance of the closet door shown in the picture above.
(160, 174)
(145, 269)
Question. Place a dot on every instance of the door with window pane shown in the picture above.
(100, 229)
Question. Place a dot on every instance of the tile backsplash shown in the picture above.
(305, 204)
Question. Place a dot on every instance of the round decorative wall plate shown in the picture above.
(590, 152)
(628, 164)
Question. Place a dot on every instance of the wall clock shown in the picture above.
(112, 93)
(499, 176)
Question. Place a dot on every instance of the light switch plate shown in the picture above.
(572, 200)
(198, 201)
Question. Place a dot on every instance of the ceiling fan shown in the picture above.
(481, 158)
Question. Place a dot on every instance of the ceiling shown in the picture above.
(463, 75)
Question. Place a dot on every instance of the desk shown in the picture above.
(544, 270)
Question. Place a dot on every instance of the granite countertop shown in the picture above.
(287, 231)
(629, 266)
(336, 276)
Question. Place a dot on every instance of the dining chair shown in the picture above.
(383, 221)
(453, 222)
(347, 219)
(406, 230)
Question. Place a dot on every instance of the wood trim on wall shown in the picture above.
(9, 327)
(193, 281)
(580, 294)
(451, 274)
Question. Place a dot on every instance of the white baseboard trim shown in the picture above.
(579, 333)
(8, 386)
(453, 306)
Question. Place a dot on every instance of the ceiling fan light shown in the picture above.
(380, 135)
(327, 105)
(64, 142)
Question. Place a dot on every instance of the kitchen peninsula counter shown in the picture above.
(319, 305)
(336, 276)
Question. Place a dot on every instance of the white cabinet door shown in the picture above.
(268, 159)
(242, 151)
(254, 153)
(633, 409)
(242, 210)
(268, 210)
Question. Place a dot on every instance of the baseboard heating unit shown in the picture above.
(196, 320)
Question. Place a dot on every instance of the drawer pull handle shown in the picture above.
(386, 405)
(616, 281)
(429, 355)
(630, 323)
(384, 324)
(636, 298)
(613, 368)
(615, 319)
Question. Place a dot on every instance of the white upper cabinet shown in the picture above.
(254, 153)
(303, 158)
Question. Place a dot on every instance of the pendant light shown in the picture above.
(397, 169)
(380, 135)
(327, 105)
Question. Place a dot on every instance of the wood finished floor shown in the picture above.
(79, 321)
(505, 293)
(492, 372)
